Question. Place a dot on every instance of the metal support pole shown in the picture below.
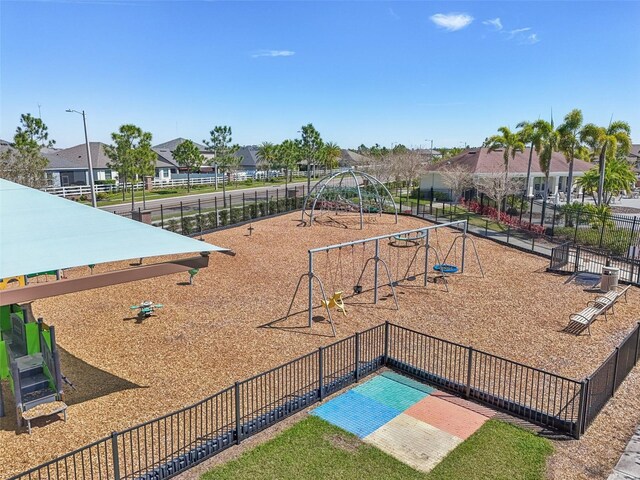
(181, 217)
(161, 217)
(116, 455)
(238, 428)
(357, 352)
(386, 343)
(375, 272)
(310, 289)
(215, 207)
(467, 390)
(320, 373)
(531, 210)
(244, 210)
(582, 407)
(464, 246)
(615, 372)
(426, 259)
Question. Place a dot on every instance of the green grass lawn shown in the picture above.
(313, 449)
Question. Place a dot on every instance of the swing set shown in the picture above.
(364, 259)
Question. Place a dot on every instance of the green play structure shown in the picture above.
(30, 361)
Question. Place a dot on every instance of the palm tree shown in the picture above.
(267, 155)
(619, 176)
(549, 141)
(530, 133)
(570, 143)
(288, 154)
(331, 153)
(511, 143)
(606, 144)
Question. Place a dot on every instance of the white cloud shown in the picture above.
(394, 14)
(515, 32)
(451, 21)
(273, 53)
(531, 39)
(496, 23)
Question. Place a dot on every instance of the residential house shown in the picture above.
(483, 162)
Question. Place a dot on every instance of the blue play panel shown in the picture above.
(372, 404)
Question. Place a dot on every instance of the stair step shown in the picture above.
(29, 362)
(38, 397)
(33, 383)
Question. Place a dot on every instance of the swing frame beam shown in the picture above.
(464, 236)
(311, 276)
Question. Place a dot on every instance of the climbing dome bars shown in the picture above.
(348, 192)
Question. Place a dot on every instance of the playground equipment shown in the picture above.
(464, 237)
(30, 360)
(145, 309)
(336, 302)
(5, 282)
(348, 192)
(364, 258)
(192, 273)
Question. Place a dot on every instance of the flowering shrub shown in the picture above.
(504, 218)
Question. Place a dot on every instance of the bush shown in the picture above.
(273, 207)
(212, 220)
(101, 196)
(187, 225)
(105, 182)
(236, 215)
(83, 198)
(253, 211)
(200, 223)
(248, 181)
(224, 217)
(173, 225)
(262, 209)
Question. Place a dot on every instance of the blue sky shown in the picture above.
(361, 72)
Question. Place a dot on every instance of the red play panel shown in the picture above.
(447, 416)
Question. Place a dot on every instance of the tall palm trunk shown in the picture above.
(601, 169)
(544, 197)
(570, 180)
(526, 185)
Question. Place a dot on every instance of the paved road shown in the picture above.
(236, 196)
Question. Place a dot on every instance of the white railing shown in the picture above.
(78, 190)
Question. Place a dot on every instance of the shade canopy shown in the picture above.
(42, 232)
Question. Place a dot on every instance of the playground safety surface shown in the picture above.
(412, 422)
(207, 336)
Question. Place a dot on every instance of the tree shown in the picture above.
(498, 187)
(131, 155)
(330, 156)
(287, 156)
(23, 163)
(407, 165)
(549, 141)
(458, 178)
(224, 153)
(188, 156)
(531, 132)
(311, 144)
(570, 143)
(606, 144)
(511, 143)
(267, 156)
(619, 176)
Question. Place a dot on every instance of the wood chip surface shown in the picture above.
(209, 335)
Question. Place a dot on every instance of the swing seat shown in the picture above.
(335, 302)
(445, 268)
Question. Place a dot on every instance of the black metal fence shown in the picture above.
(568, 259)
(603, 383)
(576, 223)
(197, 216)
(163, 447)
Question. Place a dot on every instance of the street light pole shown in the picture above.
(86, 141)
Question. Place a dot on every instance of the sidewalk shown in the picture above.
(628, 467)
(511, 238)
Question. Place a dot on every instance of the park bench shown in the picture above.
(610, 298)
(585, 317)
